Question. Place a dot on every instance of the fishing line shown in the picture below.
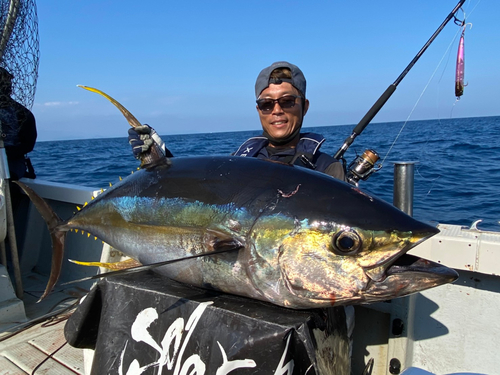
(432, 181)
(474, 7)
(445, 54)
(418, 100)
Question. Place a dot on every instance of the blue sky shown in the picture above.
(190, 66)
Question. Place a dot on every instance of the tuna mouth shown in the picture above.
(378, 272)
(412, 264)
(407, 275)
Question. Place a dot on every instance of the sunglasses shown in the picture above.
(266, 106)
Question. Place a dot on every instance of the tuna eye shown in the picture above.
(346, 242)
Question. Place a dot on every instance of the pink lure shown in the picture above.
(459, 74)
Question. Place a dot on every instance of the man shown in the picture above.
(280, 91)
(18, 130)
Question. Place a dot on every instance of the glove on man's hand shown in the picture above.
(141, 138)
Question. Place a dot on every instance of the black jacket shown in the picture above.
(305, 154)
(18, 131)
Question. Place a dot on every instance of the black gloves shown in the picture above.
(141, 138)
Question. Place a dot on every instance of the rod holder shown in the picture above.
(403, 185)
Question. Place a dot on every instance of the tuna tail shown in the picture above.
(57, 236)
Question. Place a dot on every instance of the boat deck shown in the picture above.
(37, 345)
(40, 349)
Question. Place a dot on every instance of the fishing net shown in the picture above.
(19, 47)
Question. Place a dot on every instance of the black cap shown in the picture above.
(298, 80)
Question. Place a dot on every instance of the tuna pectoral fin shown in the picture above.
(222, 247)
(221, 241)
(56, 235)
(122, 265)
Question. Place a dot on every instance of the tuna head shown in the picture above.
(323, 265)
(344, 247)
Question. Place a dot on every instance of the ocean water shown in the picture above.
(457, 175)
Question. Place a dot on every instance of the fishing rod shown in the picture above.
(363, 166)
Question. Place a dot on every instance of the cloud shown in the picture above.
(57, 104)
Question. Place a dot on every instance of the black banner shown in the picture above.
(147, 324)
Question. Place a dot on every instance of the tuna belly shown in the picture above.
(220, 272)
(224, 272)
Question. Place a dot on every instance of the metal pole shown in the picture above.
(3, 214)
(10, 23)
(3, 254)
(403, 185)
(11, 233)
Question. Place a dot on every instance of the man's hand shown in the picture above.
(141, 138)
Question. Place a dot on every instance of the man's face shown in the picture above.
(280, 123)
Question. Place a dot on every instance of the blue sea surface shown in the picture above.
(457, 175)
